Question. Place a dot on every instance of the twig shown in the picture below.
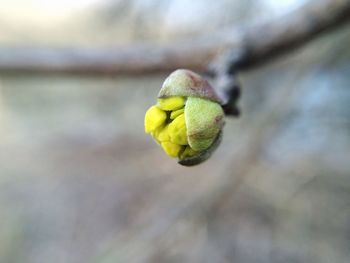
(142, 58)
(242, 47)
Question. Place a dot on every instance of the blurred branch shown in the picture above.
(262, 42)
(143, 58)
(236, 48)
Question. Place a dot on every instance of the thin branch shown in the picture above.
(143, 58)
(262, 42)
(242, 47)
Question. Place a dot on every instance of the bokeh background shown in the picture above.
(81, 182)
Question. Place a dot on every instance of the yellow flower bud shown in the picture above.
(176, 113)
(172, 103)
(177, 130)
(172, 149)
(161, 134)
(154, 118)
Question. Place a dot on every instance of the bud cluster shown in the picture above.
(187, 119)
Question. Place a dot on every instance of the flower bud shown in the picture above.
(188, 118)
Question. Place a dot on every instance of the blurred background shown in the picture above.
(81, 182)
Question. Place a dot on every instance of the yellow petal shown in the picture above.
(176, 113)
(171, 103)
(161, 134)
(154, 118)
(177, 130)
(172, 149)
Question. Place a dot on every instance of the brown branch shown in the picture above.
(262, 42)
(143, 58)
(240, 47)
